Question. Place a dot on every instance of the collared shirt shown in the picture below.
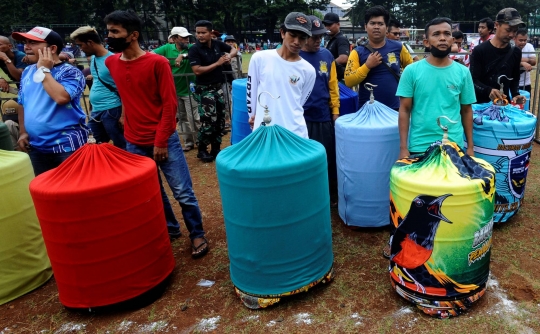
(202, 55)
(171, 52)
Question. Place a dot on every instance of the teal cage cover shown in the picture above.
(276, 206)
(503, 136)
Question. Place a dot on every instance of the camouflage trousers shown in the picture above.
(212, 113)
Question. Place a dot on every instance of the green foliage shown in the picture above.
(418, 13)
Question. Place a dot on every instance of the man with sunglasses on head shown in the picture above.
(104, 121)
(338, 44)
(378, 62)
(51, 120)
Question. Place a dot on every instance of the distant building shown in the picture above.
(333, 8)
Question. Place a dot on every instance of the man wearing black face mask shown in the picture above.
(177, 54)
(433, 87)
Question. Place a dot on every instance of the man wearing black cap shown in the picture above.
(322, 107)
(51, 120)
(338, 44)
(496, 57)
(285, 76)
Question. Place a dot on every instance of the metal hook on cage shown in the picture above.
(369, 87)
(445, 128)
(501, 85)
(266, 119)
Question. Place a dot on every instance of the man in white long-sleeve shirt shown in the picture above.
(282, 73)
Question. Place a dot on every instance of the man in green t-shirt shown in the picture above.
(187, 106)
(435, 86)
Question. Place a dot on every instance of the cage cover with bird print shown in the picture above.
(441, 204)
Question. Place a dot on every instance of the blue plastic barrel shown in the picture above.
(276, 207)
(367, 146)
(240, 119)
(348, 100)
(503, 137)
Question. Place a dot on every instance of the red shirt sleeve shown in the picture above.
(167, 124)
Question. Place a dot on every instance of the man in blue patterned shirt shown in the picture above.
(51, 119)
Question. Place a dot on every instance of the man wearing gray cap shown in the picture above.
(497, 57)
(338, 44)
(177, 54)
(282, 73)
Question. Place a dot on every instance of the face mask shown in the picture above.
(439, 53)
(118, 44)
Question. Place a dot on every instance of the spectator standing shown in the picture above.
(146, 86)
(458, 41)
(106, 104)
(177, 55)
(322, 107)
(378, 62)
(11, 62)
(528, 59)
(51, 119)
(394, 33)
(485, 30)
(497, 57)
(206, 58)
(338, 44)
(282, 73)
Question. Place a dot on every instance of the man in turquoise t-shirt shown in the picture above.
(188, 114)
(435, 86)
(105, 121)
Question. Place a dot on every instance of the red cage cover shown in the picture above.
(104, 227)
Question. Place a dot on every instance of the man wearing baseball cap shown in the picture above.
(177, 54)
(322, 107)
(282, 73)
(497, 57)
(338, 44)
(51, 120)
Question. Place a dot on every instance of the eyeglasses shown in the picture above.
(397, 33)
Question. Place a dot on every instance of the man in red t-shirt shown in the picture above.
(146, 87)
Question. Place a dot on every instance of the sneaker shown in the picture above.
(205, 156)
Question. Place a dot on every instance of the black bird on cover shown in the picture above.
(412, 243)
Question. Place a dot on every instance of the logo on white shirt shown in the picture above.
(293, 79)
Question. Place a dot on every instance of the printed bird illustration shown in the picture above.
(412, 246)
(412, 243)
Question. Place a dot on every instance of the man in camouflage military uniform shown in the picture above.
(206, 57)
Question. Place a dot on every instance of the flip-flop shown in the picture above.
(197, 251)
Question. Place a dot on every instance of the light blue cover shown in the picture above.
(240, 119)
(367, 146)
(503, 137)
(276, 206)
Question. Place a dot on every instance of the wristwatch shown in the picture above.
(39, 76)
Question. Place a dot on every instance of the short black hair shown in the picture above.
(457, 34)
(204, 23)
(489, 23)
(522, 31)
(128, 19)
(377, 11)
(394, 23)
(435, 21)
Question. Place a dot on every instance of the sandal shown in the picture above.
(201, 250)
(387, 250)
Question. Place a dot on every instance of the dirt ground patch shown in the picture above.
(360, 299)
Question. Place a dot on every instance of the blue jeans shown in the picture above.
(104, 126)
(43, 162)
(177, 175)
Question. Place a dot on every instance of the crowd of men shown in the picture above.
(136, 101)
